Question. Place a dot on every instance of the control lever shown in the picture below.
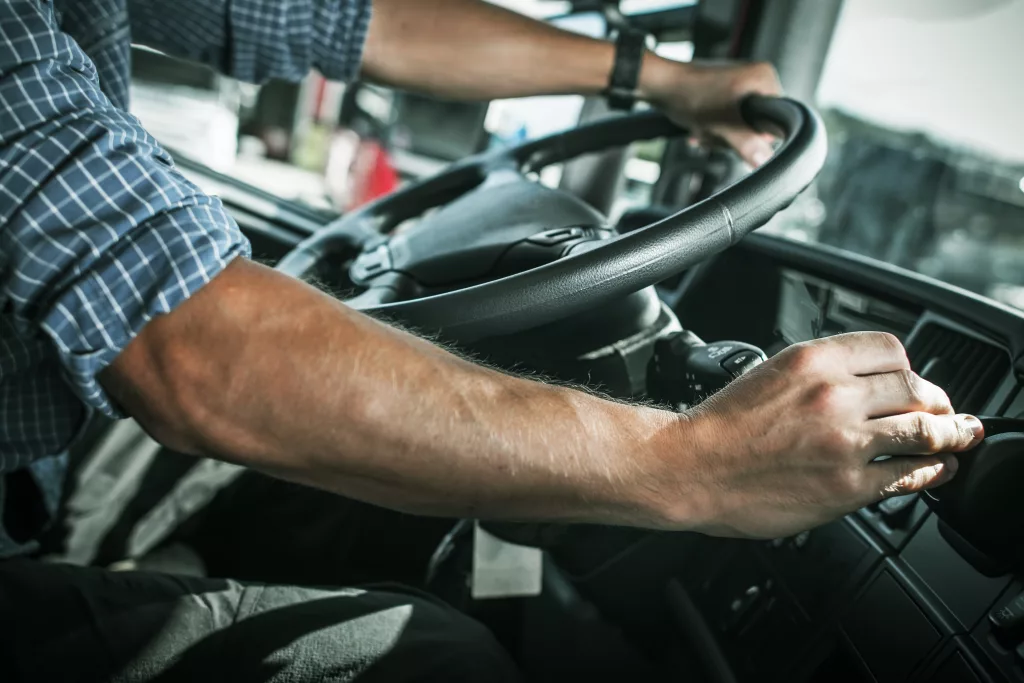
(684, 370)
(981, 509)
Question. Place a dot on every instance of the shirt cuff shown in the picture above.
(150, 271)
(339, 38)
(274, 39)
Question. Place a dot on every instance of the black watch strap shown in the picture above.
(630, 46)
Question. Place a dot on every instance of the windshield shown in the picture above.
(922, 100)
(924, 108)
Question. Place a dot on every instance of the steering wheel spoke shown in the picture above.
(348, 235)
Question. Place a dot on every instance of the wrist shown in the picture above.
(661, 79)
(667, 491)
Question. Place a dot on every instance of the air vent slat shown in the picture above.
(968, 369)
(976, 395)
(924, 351)
(965, 364)
(958, 349)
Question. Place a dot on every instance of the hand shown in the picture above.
(793, 444)
(706, 97)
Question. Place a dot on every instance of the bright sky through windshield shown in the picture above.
(950, 68)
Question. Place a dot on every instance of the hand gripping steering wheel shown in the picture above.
(495, 252)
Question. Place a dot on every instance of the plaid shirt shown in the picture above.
(99, 233)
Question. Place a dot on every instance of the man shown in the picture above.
(126, 290)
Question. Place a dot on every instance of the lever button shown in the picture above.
(742, 362)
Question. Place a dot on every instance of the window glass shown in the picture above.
(924, 108)
(336, 146)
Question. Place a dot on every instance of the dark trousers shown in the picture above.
(65, 623)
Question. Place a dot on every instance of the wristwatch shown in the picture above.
(630, 46)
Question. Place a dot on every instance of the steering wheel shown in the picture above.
(504, 253)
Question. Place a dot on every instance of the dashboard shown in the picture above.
(884, 594)
(880, 596)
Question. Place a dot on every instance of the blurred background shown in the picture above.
(923, 101)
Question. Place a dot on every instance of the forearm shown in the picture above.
(468, 49)
(266, 371)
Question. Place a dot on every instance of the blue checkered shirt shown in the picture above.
(99, 233)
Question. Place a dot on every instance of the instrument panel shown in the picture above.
(812, 308)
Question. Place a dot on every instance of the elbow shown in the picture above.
(160, 387)
(176, 377)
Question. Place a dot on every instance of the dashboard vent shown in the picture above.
(968, 369)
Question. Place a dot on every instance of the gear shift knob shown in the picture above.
(981, 509)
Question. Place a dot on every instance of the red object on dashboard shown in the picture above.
(373, 174)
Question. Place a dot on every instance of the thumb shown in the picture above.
(754, 148)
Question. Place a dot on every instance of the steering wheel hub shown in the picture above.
(465, 241)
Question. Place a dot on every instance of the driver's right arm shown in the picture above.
(261, 369)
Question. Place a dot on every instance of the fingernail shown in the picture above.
(974, 424)
(761, 157)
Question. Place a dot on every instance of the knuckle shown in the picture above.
(927, 435)
(890, 343)
(838, 441)
(823, 397)
(804, 357)
(832, 398)
(912, 386)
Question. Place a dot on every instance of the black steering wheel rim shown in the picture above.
(612, 268)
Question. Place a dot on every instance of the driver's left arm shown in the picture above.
(470, 49)
(463, 49)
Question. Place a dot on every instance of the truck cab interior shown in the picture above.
(626, 258)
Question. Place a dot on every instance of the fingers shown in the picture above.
(922, 433)
(903, 391)
(715, 114)
(857, 353)
(900, 476)
(754, 148)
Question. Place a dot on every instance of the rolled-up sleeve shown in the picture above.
(257, 40)
(99, 233)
